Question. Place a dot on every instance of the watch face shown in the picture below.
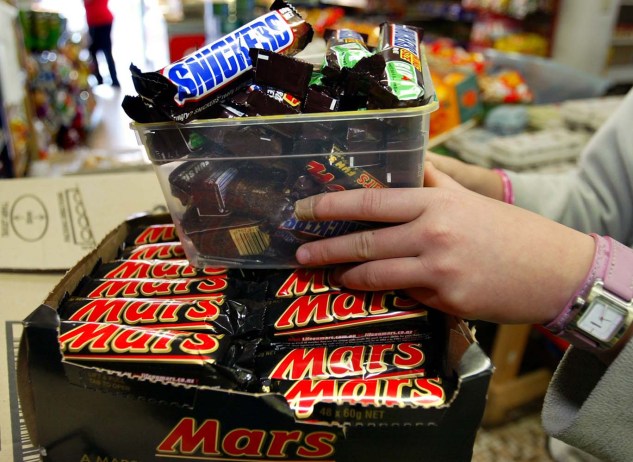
(601, 320)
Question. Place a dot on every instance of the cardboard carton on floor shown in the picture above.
(50, 223)
(78, 413)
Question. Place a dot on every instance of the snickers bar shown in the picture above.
(187, 88)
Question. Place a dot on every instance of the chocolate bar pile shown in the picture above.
(252, 72)
(272, 133)
(288, 331)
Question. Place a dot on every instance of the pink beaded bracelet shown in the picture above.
(508, 193)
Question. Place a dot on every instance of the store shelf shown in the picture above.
(622, 41)
(620, 74)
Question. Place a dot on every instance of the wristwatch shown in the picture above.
(602, 313)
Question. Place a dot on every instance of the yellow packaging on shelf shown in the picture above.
(459, 99)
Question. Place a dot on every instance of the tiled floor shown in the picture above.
(519, 440)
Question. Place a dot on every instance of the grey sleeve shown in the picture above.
(595, 197)
(590, 406)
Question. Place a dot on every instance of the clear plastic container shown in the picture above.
(231, 184)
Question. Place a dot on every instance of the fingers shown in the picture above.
(395, 205)
(395, 273)
(435, 178)
(375, 244)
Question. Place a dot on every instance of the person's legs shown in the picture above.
(93, 48)
(107, 51)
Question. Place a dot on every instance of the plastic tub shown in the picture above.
(230, 184)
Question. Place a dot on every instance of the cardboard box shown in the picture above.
(79, 413)
(50, 223)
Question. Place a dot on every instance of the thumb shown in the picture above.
(435, 178)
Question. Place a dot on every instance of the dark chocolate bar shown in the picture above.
(291, 75)
(226, 238)
(271, 102)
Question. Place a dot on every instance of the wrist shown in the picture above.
(507, 193)
(599, 315)
(597, 270)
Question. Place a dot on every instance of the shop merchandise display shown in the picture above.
(304, 356)
(541, 137)
(58, 80)
(230, 181)
(252, 343)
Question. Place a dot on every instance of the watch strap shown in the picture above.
(613, 265)
(619, 275)
(597, 270)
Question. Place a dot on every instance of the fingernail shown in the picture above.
(303, 209)
(302, 255)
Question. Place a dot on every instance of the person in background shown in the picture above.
(469, 252)
(100, 20)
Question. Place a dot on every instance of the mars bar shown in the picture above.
(199, 356)
(152, 269)
(215, 316)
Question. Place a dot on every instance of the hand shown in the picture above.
(479, 179)
(452, 249)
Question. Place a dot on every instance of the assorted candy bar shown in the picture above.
(402, 82)
(216, 316)
(352, 396)
(291, 332)
(152, 269)
(209, 287)
(191, 86)
(231, 204)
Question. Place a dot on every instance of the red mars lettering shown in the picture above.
(347, 361)
(207, 439)
(303, 281)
